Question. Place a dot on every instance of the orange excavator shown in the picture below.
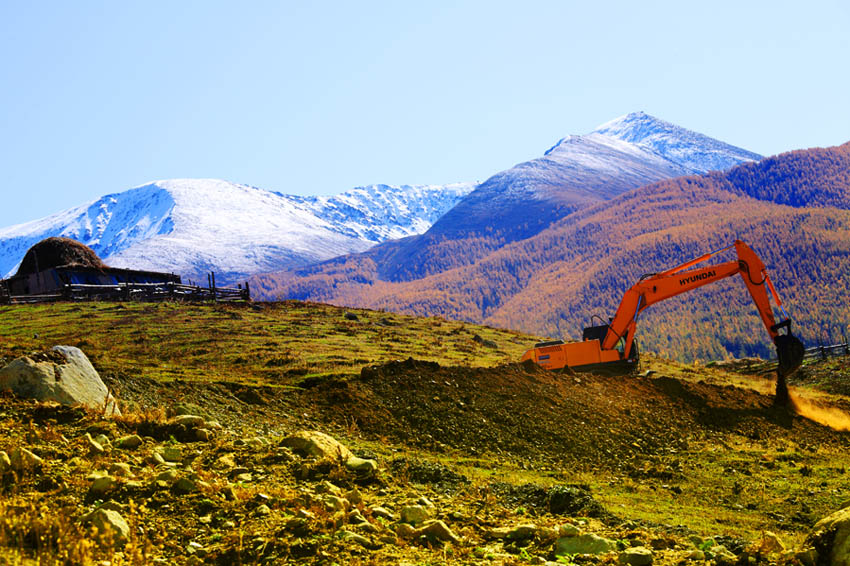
(610, 348)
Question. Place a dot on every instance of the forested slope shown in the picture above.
(792, 209)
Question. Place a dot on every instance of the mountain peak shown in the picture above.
(696, 151)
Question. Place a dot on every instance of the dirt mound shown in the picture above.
(525, 413)
(58, 252)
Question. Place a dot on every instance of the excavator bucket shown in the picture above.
(790, 352)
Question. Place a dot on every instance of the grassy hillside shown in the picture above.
(682, 460)
(792, 209)
(273, 344)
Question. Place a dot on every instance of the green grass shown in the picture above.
(279, 344)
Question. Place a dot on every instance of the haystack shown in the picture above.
(59, 252)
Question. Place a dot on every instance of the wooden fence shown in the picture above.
(168, 291)
(824, 352)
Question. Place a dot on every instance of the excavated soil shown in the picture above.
(522, 411)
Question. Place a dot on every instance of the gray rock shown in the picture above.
(497, 533)
(24, 461)
(104, 441)
(636, 556)
(584, 544)
(334, 503)
(203, 434)
(185, 485)
(317, 444)
(722, 555)
(110, 524)
(438, 530)
(94, 447)
(382, 512)
(168, 476)
(832, 535)
(121, 469)
(102, 485)
(522, 532)
(362, 466)
(172, 454)
(72, 382)
(568, 530)
(130, 442)
(190, 421)
(359, 539)
(415, 514)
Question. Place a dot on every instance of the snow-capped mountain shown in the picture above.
(192, 226)
(696, 151)
(619, 156)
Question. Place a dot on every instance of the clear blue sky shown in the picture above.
(319, 97)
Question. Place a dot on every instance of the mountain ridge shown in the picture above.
(550, 284)
(177, 225)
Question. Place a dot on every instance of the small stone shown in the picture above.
(403, 530)
(213, 425)
(415, 514)
(636, 556)
(354, 496)
(185, 485)
(359, 539)
(121, 469)
(263, 510)
(695, 554)
(103, 440)
(383, 513)
(568, 530)
(103, 485)
(497, 533)
(770, 543)
(225, 462)
(172, 454)
(334, 503)
(584, 544)
(189, 421)
(327, 487)
(438, 530)
(425, 501)
(722, 555)
(22, 460)
(522, 532)
(203, 434)
(155, 459)
(168, 476)
(110, 523)
(5, 463)
(130, 442)
(93, 446)
(362, 466)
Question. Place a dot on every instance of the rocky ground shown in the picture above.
(413, 462)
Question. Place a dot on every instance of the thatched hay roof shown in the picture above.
(58, 252)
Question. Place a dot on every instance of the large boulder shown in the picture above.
(64, 375)
(830, 537)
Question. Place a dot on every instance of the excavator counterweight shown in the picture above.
(611, 348)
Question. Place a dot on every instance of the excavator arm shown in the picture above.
(616, 345)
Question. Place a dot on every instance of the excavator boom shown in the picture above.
(611, 347)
